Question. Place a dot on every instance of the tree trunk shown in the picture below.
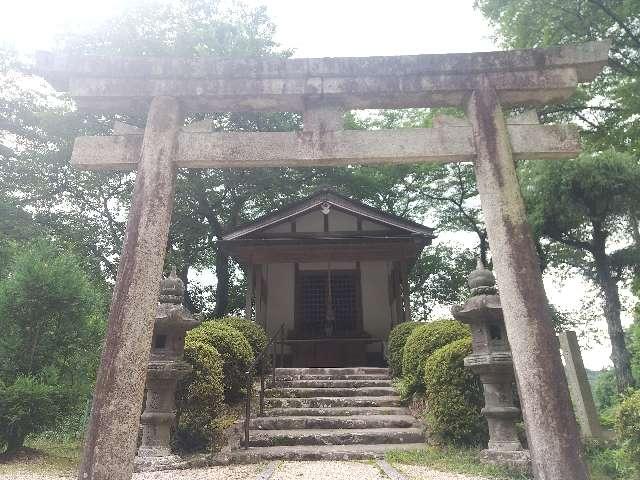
(183, 275)
(222, 288)
(484, 249)
(14, 443)
(619, 353)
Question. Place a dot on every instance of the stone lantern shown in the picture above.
(491, 361)
(166, 367)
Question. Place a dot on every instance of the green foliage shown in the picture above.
(453, 396)
(628, 428)
(51, 316)
(607, 398)
(608, 107)
(633, 341)
(566, 198)
(439, 277)
(606, 462)
(235, 351)
(589, 210)
(200, 398)
(605, 392)
(254, 333)
(422, 342)
(28, 406)
(395, 347)
(582, 207)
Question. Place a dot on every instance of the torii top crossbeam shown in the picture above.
(535, 76)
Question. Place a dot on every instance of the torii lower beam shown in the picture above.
(307, 149)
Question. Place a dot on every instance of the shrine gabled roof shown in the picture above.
(334, 199)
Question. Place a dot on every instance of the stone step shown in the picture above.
(309, 376)
(332, 371)
(330, 383)
(333, 422)
(318, 452)
(330, 392)
(371, 436)
(325, 402)
(337, 411)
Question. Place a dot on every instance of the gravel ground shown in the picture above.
(328, 471)
(416, 472)
(236, 472)
(285, 471)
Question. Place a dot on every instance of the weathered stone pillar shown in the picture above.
(551, 427)
(166, 367)
(583, 404)
(110, 441)
(491, 360)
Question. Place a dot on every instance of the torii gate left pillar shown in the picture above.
(110, 440)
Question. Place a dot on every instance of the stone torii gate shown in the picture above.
(168, 88)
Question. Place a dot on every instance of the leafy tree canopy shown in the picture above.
(607, 108)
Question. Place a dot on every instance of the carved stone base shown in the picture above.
(516, 459)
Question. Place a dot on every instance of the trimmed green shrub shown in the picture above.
(397, 339)
(628, 427)
(28, 406)
(200, 398)
(422, 342)
(234, 350)
(254, 333)
(453, 396)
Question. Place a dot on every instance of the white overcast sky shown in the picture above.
(324, 28)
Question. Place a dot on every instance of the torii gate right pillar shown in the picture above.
(552, 433)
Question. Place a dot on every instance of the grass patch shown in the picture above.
(459, 460)
(607, 462)
(43, 455)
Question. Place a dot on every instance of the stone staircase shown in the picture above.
(331, 414)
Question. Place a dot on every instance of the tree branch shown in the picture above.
(614, 16)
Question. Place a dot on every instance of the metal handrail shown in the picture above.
(259, 361)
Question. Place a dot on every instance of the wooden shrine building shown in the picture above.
(334, 271)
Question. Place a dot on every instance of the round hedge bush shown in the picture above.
(254, 333)
(200, 398)
(628, 427)
(421, 343)
(235, 351)
(395, 346)
(453, 396)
